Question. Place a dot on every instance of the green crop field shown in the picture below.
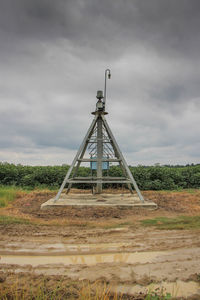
(148, 177)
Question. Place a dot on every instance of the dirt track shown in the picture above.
(102, 244)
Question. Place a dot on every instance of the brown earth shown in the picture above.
(98, 231)
(169, 203)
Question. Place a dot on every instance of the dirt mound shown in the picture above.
(169, 203)
(183, 201)
(113, 230)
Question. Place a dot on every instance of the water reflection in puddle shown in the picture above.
(62, 247)
(88, 259)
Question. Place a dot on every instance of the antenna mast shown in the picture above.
(107, 75)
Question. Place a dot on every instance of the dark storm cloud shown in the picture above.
(170, 26)
(52, 59)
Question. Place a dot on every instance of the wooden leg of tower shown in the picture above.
(89, 132)
(99, 154)
(122, 158)
(78, 164)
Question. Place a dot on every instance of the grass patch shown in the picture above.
(69, 290)
(6, 220)
(192, 191)
(182, 222)
(180, 190)
(7, 195)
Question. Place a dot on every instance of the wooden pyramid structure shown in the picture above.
(99, 148)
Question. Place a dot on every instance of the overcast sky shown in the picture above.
(53, 55)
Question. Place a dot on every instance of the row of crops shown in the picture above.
(148, 177)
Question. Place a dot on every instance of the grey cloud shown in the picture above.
(112, 26)
(52, 60)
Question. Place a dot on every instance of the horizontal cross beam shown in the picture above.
(94, 178)
(95, 159)
(98, 181)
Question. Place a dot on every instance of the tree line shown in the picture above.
(147, 177)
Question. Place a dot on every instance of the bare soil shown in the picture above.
(79, 232)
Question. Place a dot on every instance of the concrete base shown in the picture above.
(84, 200)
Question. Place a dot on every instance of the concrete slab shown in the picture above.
(84, 200)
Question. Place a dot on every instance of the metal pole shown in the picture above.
(99, 153)
(109, 75)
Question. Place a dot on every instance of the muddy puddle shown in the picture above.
(176, 289)
(61, 248)
(172, 270)
(88, 259)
